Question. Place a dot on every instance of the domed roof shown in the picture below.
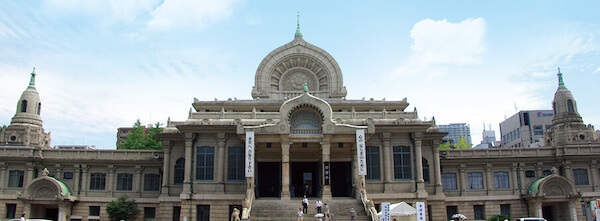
(29, 106)
(285, 70)
(564, 105)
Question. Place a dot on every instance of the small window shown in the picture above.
(24, 106)
(124, 181)
(15, 178)
(529, 173)
(13, 138)
(152, 182)
(479, 211)
(341, 145)
(449, 181)
(39, 110)
(373, 170)
(203, 213)
(235, 164)
(501, 180)
(450, 211)
(570, 106)
(179, 171)
(94, 210)
(149, 213)
(304, 145)
(11, 211)
(537, 130)
(67, 175)
(475, 180)
(176, 213)
(97, 181)
(505, 209)
(581, 177)
(269, 145)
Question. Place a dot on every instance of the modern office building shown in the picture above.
(488, 139)
(526, 128)
(455, 131)
(299, 135)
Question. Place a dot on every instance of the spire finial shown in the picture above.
(305, 89)
(298, 33)
(32, 81)
(561, 83)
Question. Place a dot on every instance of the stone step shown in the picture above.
(276, 209)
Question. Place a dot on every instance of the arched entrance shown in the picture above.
(47, 197)
(553, 197)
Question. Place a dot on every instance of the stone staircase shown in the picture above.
(276, 209)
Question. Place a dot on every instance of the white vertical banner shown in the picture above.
(360, 152)
(249, 154)
(420, 211)
(385, 212)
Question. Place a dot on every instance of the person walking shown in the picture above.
(300, 215)
(304, 204)
(327, 213)
(352, 214)
(23, 217)
(319, 204)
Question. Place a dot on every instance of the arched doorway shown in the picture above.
(553, 197)
(47, 197)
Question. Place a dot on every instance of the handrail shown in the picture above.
(368, 204)
(247, 203)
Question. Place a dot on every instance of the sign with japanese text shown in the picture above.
(249, 154)
(385, 212)
(326, 168)
(421, 211)
(360, 152)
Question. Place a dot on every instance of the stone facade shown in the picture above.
(305, 144)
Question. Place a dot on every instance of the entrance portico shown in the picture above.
(553, 197)
(47, 197)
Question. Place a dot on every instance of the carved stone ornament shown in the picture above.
(295, 81)
(554, 190)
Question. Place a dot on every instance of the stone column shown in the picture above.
(594, 170)
(513, 178)
(326, 150)
(187, 178)
(59, 171)
(419, 163)
(29, 175)
(220, 162)
(538, 170)
(64, 211)
(285, 169)
(388, 171)
(84, 179)
(572, 211)
(489, 184)
(356, 179)
(138, 182)
(437, 168)
(76, 178)
(462, 177)
(166, 176)
(111, 181)
(568, 173)
(521, 184)
(3, 177)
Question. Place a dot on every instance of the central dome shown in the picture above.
(284, 71)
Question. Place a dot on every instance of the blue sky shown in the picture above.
(103, 64)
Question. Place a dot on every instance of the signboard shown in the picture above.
(595, 210)
(326, 166)
(249, 154)
(421, 211)
(385, 212)
(360, 152)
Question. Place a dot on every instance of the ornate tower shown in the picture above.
(26, 127)
(567, 124)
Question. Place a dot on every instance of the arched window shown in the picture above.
(39, 108)
(306, 120)
(554, 107)
(178, 175)
(24, 106)
(425, 171)
(570, 106)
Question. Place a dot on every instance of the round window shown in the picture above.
(582, 137)
(13, 138)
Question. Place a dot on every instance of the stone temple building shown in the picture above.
(299, 136)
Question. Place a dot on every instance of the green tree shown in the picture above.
(499, 218)
(462, 144)
(122, 209)
(139, 138)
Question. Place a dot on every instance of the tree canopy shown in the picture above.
(462, 144)
(122, 209)
(143, 139)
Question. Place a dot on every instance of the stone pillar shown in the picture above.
(513, 178)
(572, 210)
(489, 178)
(3, 177)
(568, 173)
(64, 211)
(138, 182)
(76, 178)
(594, 170)
(220, 162)
(326, 150)
(521, 184)
(538, 170)
(463, 178)
(419, 163)
(84, 179)
(535, 208)
(166, 176)
(29, 175)
(388, 169)
(285, 169)
(187, 178)
(111, 181)
(437, 168)
(58, 174)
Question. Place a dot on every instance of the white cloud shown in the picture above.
(443, 42)
(189, 13)
(597, 71)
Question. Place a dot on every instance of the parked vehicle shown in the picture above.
(531, 219)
